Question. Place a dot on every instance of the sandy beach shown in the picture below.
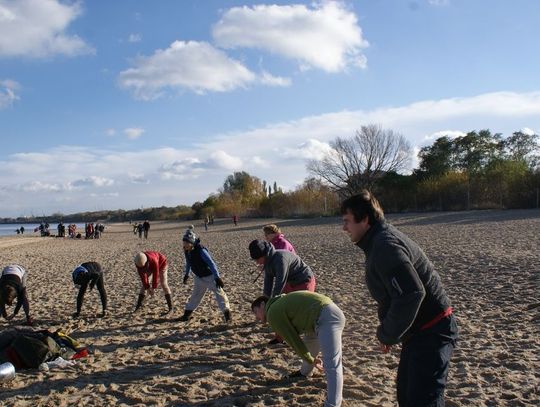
(489, 262)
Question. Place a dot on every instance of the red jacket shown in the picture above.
(155, 265)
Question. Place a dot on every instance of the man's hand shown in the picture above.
(384, 348)
(318, 364)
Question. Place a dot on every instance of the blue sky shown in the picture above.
(129, 104)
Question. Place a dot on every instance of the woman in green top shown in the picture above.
(320, 321)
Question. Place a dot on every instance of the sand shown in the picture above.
(489, 262)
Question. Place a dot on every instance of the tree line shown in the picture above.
(478, 170)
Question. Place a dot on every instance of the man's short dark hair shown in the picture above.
(258, 301)
(362, 205)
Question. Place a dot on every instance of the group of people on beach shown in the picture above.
(413, 307)
(141, 228)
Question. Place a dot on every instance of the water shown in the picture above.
(8, 229)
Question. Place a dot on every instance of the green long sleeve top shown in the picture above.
(293, 314)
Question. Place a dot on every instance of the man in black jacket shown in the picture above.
(89, 274)
(413, 307)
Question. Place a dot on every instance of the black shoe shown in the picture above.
(227, 315)
(294, 375)
(186, 317)
(275, 341)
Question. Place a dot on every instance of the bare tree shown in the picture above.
(356, 163)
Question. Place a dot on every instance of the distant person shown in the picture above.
(205, 275)
(284, 272)
(206, 222)
(135, 228)
(235, 220)
(146, 228)
(273, 235)
(152, 266)
(89, 230)
(13, 285)
(61, 230)
(89, 274)
(22, 230)
(321, 322)
(414, 309)
(140, 229)
(211, 219)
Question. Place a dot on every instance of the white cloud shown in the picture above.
(271, 80)
(138, 179)
(326, 36)
(181, 169)
(38, 186)
(135, 37)
(133, 133)
(110, 132)
(527, 131)
(193, 167)
(92, 181)
(37, 28)
(7, 92)
(259, 162)
(220, 159)
(195, 66)
(311, 149)
(452, 134)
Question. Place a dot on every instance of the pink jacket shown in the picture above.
(280, 243)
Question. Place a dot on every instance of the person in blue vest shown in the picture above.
(205, 275)
(89, 274)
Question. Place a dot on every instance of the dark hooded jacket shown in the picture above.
(282, 267)
(402, 280)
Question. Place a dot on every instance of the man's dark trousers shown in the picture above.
(423, 365)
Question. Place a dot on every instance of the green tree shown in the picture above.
(523, 147)
(437, 159)
(475, 150)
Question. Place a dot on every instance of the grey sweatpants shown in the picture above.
(201, 284)
(327, 340)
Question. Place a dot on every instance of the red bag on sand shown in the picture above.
(82, 353)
